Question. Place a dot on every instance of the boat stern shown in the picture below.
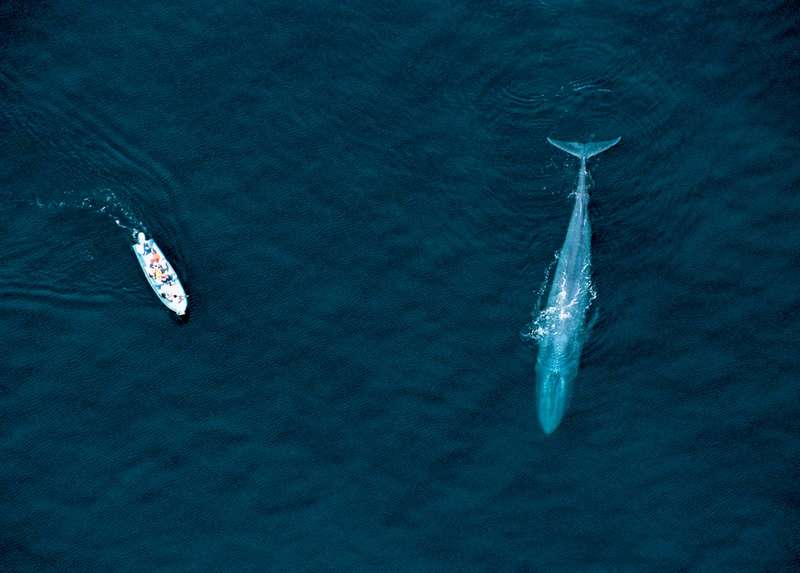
(180, 307)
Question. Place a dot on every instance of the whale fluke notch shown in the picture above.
(584, 150)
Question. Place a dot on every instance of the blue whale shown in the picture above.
(561, 325)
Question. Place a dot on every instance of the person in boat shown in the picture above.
(141, 244)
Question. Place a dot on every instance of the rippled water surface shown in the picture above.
(361, 202)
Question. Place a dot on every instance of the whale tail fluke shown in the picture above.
(584, 150)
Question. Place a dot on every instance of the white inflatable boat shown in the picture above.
(160, 274)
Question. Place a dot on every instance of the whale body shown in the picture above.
(562, 322)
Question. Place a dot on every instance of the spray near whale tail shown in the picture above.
(584, 150)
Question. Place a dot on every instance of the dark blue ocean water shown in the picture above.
(361, 202)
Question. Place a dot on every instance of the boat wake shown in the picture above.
(66, 153)
(104, 202)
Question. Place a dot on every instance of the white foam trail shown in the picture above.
(533, 331)
(105, 203)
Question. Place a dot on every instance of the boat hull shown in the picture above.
(161, 276)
